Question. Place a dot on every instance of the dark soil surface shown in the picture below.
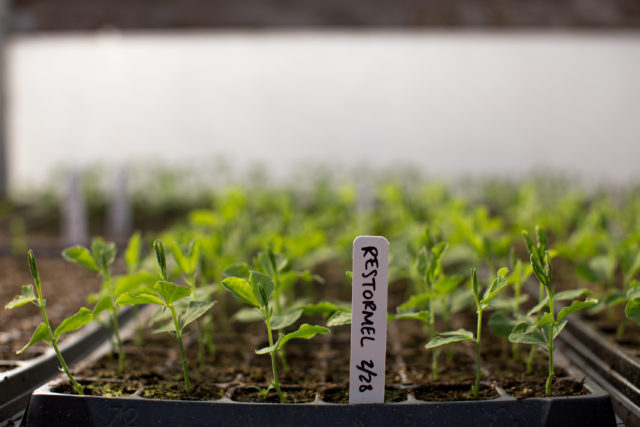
(65, 287)
(319, 369)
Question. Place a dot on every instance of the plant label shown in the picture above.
(368, 319)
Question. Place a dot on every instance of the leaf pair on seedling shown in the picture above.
(170, 296)
(258, 290)
(44, 331)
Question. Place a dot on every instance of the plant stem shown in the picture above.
(185, 369)
(200, 332)
(547, 389)
(532, 354)
(45, 318)
(476, 386)
(276, 382)
(622, 328)
(77, 387)
(116, 332)
(435, 353)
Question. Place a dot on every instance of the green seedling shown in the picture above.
(277, 267)
(257, 290)
(482, 303)
(44, 331)
(100, 259)
(509, 311)
(170, 296)
(543, 329)
(188, 262)
(428, 265)
(632, 308)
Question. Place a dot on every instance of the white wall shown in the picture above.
(447, 102)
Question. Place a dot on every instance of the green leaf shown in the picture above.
(194, 310)
(128, 299)
(496, 286)
(104, 253)
(241, 289)
(132, 253)
(104, 303)
(160, 256)
(283, 320)
(40, 334)
(28, 295)
(558, 328)
(171, 292)
(81, 256)
(538, 271)
(447, 284)
(167, 327)
(326, 308)
(533, 250)
(33, 268)
(422, 316)
(262, 287)
(247, 314)
(271, 348)
(416, 302)
(575, 306)
(181, 259)
(422, 262)
(632, 309)
(238, 270)
(545, 320)
(77, 321)
(305, 331)
(449, 337)
(539, 306)
(474, 285)
(339, 318)
(131, 282)
(350, 276)
(527, 334)
(571, 294)
(501, 324)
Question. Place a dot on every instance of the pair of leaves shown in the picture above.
(254, 290)
(166, 293)
(193, 311)
(187, 261)
(305, 331)
(449, 337)
(99, 259)
(28, 295)
(70, 324)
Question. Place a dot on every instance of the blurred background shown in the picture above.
(221, 88)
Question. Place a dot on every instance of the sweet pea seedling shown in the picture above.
(257, 290)
(543, 329)
(44, 332)
(168, 295)
(482, 303)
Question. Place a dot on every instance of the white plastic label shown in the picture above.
(368, 319)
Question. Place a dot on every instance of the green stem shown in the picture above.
(76, 386)
(200, 333)
(276, 382)
(476, 386)
(547, 390)
(116, 332)
(45, 318)
(622, 328)
(185, 369)
(530, 358)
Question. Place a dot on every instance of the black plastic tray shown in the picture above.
(55, 409)
(613, 369)
(16, 385)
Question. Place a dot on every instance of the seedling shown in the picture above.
(100, 259)
(44, 332)
(188, 264)
(545, 328)
(168, 295)
(257, 290)
(464, 335)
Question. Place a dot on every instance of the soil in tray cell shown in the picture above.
(293, 395)
(341, 395)
(535, 387)
(453, 391)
